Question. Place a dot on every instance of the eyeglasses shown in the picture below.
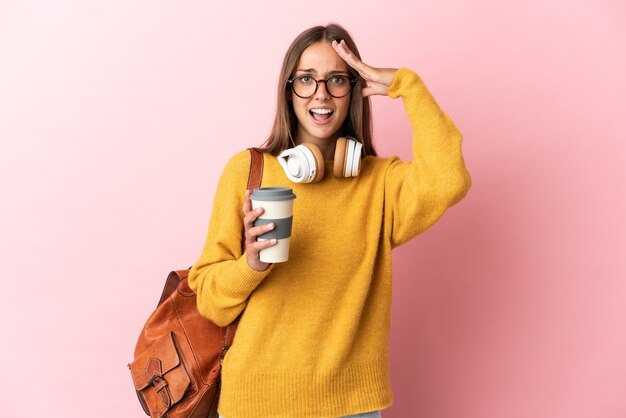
(337, 86)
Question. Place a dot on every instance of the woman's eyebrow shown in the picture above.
(312, 70)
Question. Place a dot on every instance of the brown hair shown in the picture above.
(358, 122)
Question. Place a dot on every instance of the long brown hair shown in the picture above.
(358, 122)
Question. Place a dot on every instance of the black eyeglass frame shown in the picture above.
(352, 82)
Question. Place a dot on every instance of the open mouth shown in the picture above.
(321, 115)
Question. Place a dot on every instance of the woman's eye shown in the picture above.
(337, 80)
(305, 79)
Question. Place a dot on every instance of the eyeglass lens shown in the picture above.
(337, 86)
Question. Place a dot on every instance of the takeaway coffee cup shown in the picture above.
(278, 205)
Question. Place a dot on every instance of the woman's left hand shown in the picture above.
(378, 79)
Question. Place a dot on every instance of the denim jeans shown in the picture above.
(374, 414)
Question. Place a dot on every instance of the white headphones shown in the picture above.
(305, 163)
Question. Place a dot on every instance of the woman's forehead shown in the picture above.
(321, 58)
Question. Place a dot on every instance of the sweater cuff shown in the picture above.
(419, 102)
(246, 279)
(404, 78)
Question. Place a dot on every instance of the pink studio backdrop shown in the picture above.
(116, 119)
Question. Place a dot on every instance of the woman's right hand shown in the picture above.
(253, 247)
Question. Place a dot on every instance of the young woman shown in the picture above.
(313, 338)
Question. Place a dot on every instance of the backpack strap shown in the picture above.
(256, 169)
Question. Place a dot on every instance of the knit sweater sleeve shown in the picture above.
(221, 277)
(418, 192)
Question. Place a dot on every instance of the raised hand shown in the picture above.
(378, 79)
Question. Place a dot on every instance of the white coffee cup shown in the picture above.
(278, 205)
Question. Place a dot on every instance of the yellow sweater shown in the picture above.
(313, 339)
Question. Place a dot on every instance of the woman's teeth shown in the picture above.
(321, 115)
(322, 111)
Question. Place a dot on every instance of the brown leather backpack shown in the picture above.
(178, 357)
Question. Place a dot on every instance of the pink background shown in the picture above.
(117, 117)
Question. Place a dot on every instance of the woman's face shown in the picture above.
(321, 116)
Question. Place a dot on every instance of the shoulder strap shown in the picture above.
(256, 169)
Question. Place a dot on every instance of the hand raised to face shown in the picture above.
(378, 79)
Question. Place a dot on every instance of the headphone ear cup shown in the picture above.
(356, 159)
(349, 158)
(295, 164)
(339, 166)
(319, 161)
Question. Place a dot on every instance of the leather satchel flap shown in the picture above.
(159, 366)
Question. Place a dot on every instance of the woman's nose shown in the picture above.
(322, 91)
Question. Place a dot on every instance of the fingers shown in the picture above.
(251, 234)
(248, 222)
(352, 60)
(254, 232)
(249, 214)
(255, 248)
(344, 52)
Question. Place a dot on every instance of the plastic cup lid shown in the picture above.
(272, 194)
